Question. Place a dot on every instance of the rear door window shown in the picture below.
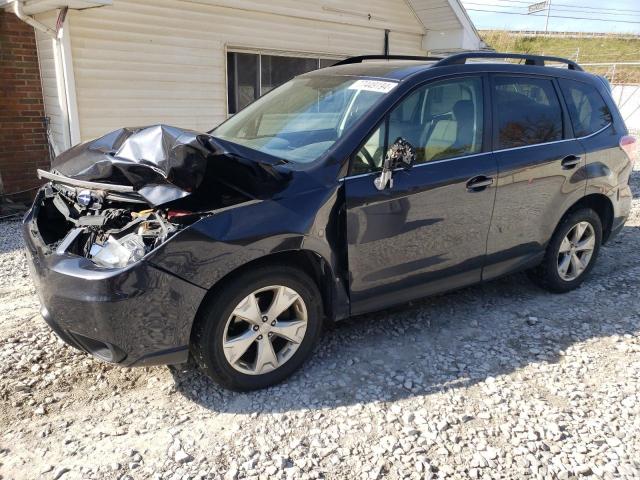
(527, 112)
(588, 111)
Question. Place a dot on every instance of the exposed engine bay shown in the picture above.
(117, 198)
(111, 230)
(110, 233)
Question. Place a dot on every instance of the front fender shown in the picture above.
(216, 245)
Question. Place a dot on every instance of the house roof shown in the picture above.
(446, 15)
(438, 18)
(33, 7)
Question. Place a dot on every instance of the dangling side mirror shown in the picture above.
(401, 154)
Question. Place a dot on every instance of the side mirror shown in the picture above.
(401, 154)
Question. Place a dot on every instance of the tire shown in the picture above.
(549, 274)
(218, 323)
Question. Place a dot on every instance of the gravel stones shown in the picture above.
(500, 380)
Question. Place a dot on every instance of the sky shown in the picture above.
(610, 16)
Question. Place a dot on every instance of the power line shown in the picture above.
(554, 9)
(592, 8)
(525, 2)
(603, 12)
(570, 8)
(551, 16)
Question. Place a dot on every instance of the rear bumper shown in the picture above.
(138, 315)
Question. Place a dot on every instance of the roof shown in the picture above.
(33, 7)
(440, 14)
(446, 23)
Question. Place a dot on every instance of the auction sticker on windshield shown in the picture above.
(379, 86)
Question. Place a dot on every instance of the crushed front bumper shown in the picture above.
(133, 316)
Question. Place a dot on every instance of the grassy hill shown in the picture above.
(584, 48)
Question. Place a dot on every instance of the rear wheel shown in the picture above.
(259, 329)
(571, 253)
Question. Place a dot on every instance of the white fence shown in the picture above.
(627, 98)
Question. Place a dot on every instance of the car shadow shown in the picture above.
(445, 342)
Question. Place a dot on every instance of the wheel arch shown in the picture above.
(602, 205)
(310, 262)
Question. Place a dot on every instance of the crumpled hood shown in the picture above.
(161, 163)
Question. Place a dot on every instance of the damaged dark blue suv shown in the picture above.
(344, 191)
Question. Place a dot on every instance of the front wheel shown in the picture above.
(571, 253)
(259, 328)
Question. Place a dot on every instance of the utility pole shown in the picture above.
(539, 8)
(546, 26)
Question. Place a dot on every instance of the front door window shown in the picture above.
(441, 120)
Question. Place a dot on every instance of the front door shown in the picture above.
(428, 232)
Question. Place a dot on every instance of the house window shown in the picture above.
(251, 75)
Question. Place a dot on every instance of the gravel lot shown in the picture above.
(501, 380)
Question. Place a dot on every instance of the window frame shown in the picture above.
(567, 126)
(487, 139)
(604, 101)
(259, 52)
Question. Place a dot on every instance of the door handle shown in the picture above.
(479, 183)
(570, 161)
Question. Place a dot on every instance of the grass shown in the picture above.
(583, 48)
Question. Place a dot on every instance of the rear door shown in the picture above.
(608, 167)
(541, 169)
(428, 232)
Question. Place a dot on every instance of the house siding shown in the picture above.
(143, 62)
(47, 62)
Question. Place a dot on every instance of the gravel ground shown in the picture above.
(501, 380)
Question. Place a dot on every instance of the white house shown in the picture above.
(190, 63)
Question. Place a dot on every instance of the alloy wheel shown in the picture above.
(576, 251)
(264, 330)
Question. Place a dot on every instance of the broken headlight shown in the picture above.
(118, 253)
(151, 229)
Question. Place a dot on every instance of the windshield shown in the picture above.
(303, 118)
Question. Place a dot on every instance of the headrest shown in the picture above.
(463, 110)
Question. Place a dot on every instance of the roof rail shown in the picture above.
(362, 58)
(538, 60)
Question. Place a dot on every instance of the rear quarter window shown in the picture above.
(527, 112)
(588, 111)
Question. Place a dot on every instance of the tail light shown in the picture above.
(629, 144)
